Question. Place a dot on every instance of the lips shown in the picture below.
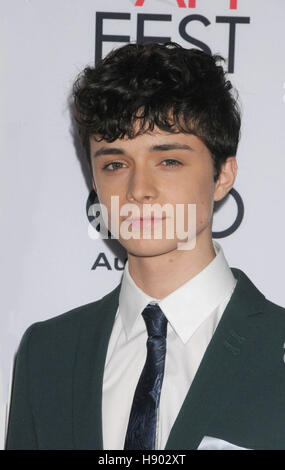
(144, 219)
(139, 222)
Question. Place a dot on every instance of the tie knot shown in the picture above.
(155, 320)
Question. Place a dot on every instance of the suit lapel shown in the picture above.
(221, 367)
(88, 372)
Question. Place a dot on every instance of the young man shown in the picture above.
(185, 352)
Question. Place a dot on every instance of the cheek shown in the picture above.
(198, 191)
(107, 190)
(205, 206)
(105, 193)
(104, 199)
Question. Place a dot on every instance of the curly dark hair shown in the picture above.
(176, 89)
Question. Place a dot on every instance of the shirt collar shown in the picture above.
(187, 306)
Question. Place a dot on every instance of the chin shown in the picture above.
(149, 247)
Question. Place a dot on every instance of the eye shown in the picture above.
(114, 166)
(171, 162)
(117, 166)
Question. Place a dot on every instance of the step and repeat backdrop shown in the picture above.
(49, 262)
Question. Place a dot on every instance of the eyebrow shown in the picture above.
(153, 148)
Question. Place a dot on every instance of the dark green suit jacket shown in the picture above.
(238, 393)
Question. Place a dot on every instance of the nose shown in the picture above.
(141, 187)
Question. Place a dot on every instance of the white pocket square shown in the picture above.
(213, 443)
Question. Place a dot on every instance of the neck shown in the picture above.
(160, 275)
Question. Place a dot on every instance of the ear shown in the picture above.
(226, 178)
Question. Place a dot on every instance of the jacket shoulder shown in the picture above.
(64, 328)
(274, 309)
(250, 297)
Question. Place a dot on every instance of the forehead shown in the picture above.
(156, 140)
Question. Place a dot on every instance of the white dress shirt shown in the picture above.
(193, 312)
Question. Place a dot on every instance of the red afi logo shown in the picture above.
(191, 4)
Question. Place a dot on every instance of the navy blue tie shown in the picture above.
(141, 429)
